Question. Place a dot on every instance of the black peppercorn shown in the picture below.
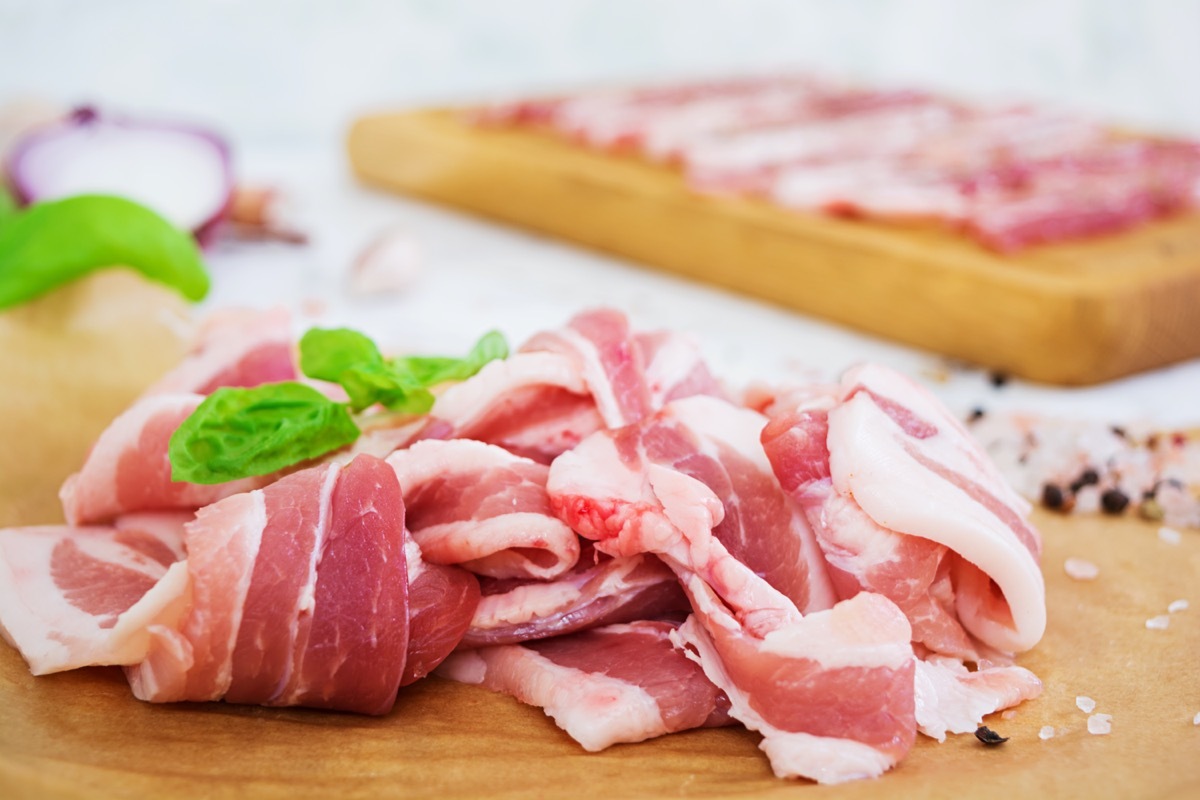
(1114, 501)
(988, 736)
(1053, 497)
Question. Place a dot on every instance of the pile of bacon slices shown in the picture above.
(1011, 175)
(593, 525)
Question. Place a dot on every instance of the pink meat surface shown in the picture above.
(240, 347)
(441, 604)
(323, 623)
(128, 468)
(617, 489)
(599, 590)
(618, 683)
(532, 404)
(74, 597)
(478, 505)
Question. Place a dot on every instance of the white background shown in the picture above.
(283, 78)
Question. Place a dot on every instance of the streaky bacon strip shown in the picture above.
(441, 604)
(331, 633)
(599, 590)
(81, 596)
(236, 347)
(128, 468)
(618, 683)
(613, 490)
(478, 505)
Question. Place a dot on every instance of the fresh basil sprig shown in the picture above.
(55, 242)
(236, 433)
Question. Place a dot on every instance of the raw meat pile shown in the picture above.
(592, 525)
(1010, 175)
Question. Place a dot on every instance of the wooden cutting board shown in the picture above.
(82, 735)
(1075, 313)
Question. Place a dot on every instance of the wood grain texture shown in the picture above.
(1075, 313)
(82, 735)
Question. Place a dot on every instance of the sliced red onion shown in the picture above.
(180, 171)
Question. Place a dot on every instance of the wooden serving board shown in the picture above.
(82, 735)
(1075, 313)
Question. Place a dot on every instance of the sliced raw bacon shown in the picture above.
(323, 622)
(952, 699)
(675, 368)
(238, 347)
(441, 605)
(532, 404)
(599, 590)
(602, 346)
(128, 468)
(896, 454)
(74, 597)
(479, 505)
(619, 489)
(618, 683)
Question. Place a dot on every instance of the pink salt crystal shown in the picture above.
(1047, 732)
(1100, 724)
(1086, 704)
(1177, 605)
(1081, 569)
(1158, 623)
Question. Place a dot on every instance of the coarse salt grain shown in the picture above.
(1158, 623)
(1169, 535)
(1100, 724)
(1009, 714)
(1047, 732)
(1196, 719)
(1177, 605)
(1086, 704)
(1081, 569)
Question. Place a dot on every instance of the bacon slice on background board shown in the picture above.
(599, 590)
(620, 489)
(74, 597)
(299, 597)
(441, 605)
(128, 468)
(236, 347)
(618, 683)
(480, 506)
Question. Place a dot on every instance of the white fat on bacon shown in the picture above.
(74, 597)
(478, 505)
(953, 699)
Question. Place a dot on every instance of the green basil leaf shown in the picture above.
(368, 385)
(432, 370)
(236, 433)
(55, 242)
(325, 353)
(8, 206)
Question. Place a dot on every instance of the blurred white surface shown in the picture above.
(300, 69)
(284, 78)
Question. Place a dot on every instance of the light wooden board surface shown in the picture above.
(1075, 313)
(82, 735)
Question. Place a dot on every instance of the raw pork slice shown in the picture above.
(880, 463)
(478, 505)
(128, 468)
(619, 683)
(441, 604)
(75, 597)
(240, 347)
(299, 597)
(845, 706)
(599, 590)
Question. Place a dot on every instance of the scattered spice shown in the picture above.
(1196, 719)
(1053, 497)
(976, 414)
(998, 379)
(1085, 704)
(1089, 477)
(1047, 732)
(988, 736)
(1177, 605)
(1114, 501)
(1100, 724)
